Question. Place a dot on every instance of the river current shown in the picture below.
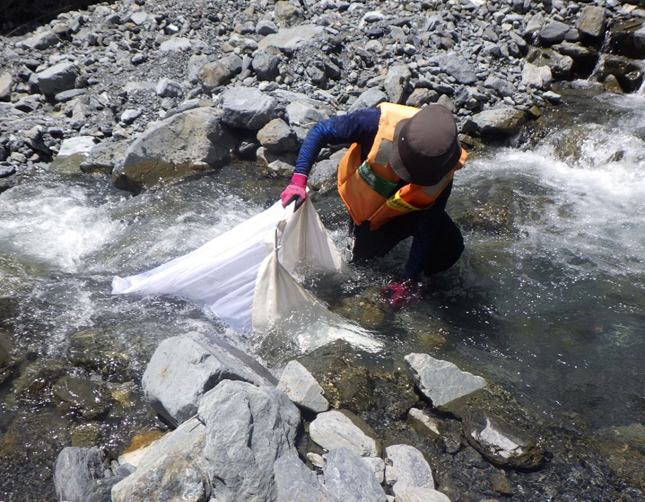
(547, 301)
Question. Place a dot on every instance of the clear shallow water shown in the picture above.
(547, 300)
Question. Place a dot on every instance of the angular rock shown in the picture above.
(167, 88)
(416, 494)
(502, 443)
(266, 27)
(423, 424)
(175, 44)
(629, 73)
(73, 152)
(286, 13)
(301, 387)
(457, 67)
(176, 450)
(539, 77)
(560, 65)
(396, 82)
(171, 477)
(277, 136)
(334, 429)
(6, 83)
(247, 108)
(502, 122)
(407, 468)
(217, 73)
(592, 21)
(266, 65)
(183, 369)
(349, 479)
(41, 41)
(58, 78)
(295, 482)
(502, 87)
(377, 466)
(188, 143)
(442, 381)
(367, 99)
(290, 39)
(302, 113)
(103, 157)
(247, 429)
(553, 32)
(76, 469)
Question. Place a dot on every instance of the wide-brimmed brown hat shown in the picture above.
(425, 146)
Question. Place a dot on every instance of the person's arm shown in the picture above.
(358, 127)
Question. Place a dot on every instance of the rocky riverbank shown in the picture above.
(150, 94)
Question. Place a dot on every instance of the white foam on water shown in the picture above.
(592, 206)
(54, 225)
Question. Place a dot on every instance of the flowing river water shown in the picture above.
(547, 301)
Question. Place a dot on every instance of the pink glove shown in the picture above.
(295, 191)
(402, 294)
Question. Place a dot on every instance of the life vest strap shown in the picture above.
(380, 185)
(397, 203)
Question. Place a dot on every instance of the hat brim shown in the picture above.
(396, 163)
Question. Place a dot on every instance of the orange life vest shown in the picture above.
(369, 188)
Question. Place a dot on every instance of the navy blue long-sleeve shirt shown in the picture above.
(361, 127)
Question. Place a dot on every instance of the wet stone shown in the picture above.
(90, 399)
(7, 362)
(99, 352)
(351, 381)
(502, 443)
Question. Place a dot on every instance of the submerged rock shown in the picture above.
(502, 443)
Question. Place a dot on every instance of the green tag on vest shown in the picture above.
(380, 185)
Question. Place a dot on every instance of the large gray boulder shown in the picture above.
(186, 144)
(184, 368)
(248, 428)
(247, 108)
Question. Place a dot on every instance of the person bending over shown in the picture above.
(395, 180)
